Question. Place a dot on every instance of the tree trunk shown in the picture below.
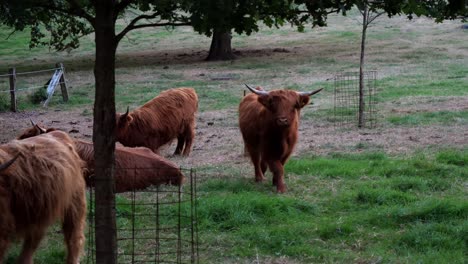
(220, 48)
(361, 119)
(103, 133)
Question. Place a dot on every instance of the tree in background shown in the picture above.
(219, 18)
(370, 10)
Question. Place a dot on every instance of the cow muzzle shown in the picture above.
(282, 122)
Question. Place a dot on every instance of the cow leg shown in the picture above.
(6, 226)
(278, 175)
(73, 229)
(263, 166)
(189, 136)
(255, 157)
(31, 242)
(4, 244)
(180, 145)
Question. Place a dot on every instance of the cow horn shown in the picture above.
(310, 93)
(41, 130)
(32, 122)
(8, 163)
(255, 91)
(126, 113)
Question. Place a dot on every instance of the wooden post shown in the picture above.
(12, 73)
(63, 85)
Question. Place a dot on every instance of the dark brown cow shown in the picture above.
(136, 168)
(41, 182)
(269, 122)
(169, 115)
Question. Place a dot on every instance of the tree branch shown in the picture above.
(371, 19)
(129, 28)
(132, 23)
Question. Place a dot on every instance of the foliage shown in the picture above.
(38, 96)
(60, 24)
(240, 16)
(4, 102)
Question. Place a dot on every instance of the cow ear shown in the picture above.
(265, 100)
(303, 101)
(125, 119)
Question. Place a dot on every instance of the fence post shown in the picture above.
(63, 84)
(12, 73)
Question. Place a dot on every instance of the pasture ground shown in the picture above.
(394, 194)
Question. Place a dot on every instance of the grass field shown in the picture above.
(394, 194)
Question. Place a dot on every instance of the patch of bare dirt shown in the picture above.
(218, 140)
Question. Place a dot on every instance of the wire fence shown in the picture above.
(346, 99)
(29, 87)
(29, 82)
(154, 225)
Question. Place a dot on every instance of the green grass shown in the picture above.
(339, 208)
(366, 207)
(430, 118)
(444, 80)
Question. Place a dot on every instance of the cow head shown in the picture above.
(283, 104)
(32, 131)
(122, 122)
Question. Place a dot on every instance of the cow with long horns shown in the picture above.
(169, 115)
(269, 123)
(41, 182)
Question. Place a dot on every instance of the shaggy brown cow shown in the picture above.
(136, 168)
(269, 122)
(41, 182)
(169, 115)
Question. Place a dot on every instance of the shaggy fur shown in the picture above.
(269, 124)
(43, 185)
(136, 168)
(168, 116)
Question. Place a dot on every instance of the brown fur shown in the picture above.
(136, 168)
(43, 185)
(269, 125)
(169, 115)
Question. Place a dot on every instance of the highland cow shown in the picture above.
(41, 182)
(169, 115)
(269, 122)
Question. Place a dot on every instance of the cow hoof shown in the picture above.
(258, 179)
(281, 189)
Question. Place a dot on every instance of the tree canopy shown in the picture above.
(61, 23)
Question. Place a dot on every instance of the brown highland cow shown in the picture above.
(268, 122)
(169, 115)
(41, 182)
